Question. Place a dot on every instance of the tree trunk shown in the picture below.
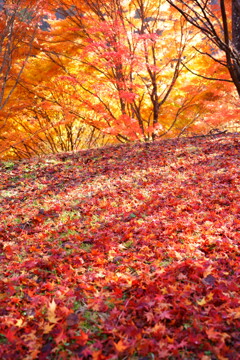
(236, 33)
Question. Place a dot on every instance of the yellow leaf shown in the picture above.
(202, 302)
(19, 323)
(209, 296)
(51, 316)
(48, 328)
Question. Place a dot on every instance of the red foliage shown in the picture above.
(127, 252)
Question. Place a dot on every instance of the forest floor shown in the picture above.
(125, 252)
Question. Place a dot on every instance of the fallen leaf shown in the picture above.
(51, 316)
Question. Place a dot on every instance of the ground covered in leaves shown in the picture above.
(127, 252)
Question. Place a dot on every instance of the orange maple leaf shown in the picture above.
(120, 346)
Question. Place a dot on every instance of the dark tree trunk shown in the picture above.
(236, 33)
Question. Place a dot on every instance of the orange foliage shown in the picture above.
(109, 76)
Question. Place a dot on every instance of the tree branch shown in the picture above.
(205, 77)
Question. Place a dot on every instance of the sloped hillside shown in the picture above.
(125, 252)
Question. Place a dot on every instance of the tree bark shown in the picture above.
(236, 33)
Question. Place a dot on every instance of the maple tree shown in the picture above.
(219, 22)
(39, 129)
(121, 67)
(124, 252)
(50, 107)
(19, 21)
(28, 129)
